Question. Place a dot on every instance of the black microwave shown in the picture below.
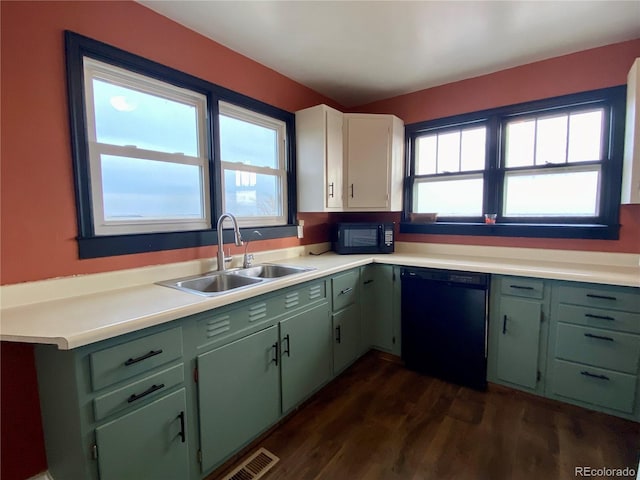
(363, 238)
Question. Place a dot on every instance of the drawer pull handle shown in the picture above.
(182, 433)
(599, 317)
(152, 353)
(602, 297)
(593, 375)
(344, 291)
(599, 337)
(148, 391)
(338, 334)
(504, 325)
(275, 351)
(367, 282)
(521, 287)
(286, 338)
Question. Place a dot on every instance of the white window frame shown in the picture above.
(95, 69)
(245, 115)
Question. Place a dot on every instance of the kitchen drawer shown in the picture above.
(627, 299)
(599, 318)
(137, 392)
(601, 348)
(522, 287)
(129, 359)
(344, 289)
(594, 385)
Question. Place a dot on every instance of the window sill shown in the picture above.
(112, 245)
(600, 232)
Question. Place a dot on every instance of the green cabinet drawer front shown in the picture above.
(346, 338)
(518, 342)
(305, 340)
(238, 393)
(126, 360)
(594, 385)
(146, 444)
(617, 298)
(601, 348)
(344, 289)
(599, 318)
(522, 287)
(138, 392)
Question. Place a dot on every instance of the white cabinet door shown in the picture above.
(631, 166)
(333, 159)
(368, 155)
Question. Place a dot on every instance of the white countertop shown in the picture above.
(78, 320)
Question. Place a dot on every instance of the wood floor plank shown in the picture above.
(380, 421)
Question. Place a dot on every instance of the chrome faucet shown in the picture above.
(247, 260)
(237, 237)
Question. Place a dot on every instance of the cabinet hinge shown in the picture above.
(199, 456)
(195, 375)
(538, 376)
(94, 451)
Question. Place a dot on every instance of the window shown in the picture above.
(252, 152)
(550, 168)
(159, 155)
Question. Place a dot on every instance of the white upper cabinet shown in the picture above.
(374, 167)
(631, 168)
(348, 162)
(319, 157)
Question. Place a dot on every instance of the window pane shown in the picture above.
(551, 140)
(426, 154)
(519, 143)
(135, 189)
(449, 152)
(248, 194)
(585, 136)
(552, 194)
(473, 149)
(248, 143)
(459, 197)
(129, 117)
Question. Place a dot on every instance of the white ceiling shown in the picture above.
(356, 52)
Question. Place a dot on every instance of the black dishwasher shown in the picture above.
(444, 324)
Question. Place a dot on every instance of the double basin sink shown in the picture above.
(220, 282)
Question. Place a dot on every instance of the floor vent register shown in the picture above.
(254, 467)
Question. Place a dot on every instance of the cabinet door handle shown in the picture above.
(148, 391)
(601, 297)
(599, 317)
(275, 351)
(504, 325)
(344, 291)
(152, 353)
(593, 375)
(182, 435)
(286, 339)
(331, 189)
(521, 287)
(352, 190)
(338, 334)
(599, 337)
(367, 282)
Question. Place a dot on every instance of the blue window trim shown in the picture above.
(605, 226)
(92, 246)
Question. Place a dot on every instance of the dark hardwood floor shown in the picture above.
(381, 421)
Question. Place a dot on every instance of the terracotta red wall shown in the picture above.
(587, 70)
(38, 216)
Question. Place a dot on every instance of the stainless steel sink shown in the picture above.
(218, 283)
(270, 271)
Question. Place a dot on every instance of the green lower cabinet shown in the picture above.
(518, 342)
(238, 394)
(146, 444)
(305, 346)
(346, 337)
(380, 324)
